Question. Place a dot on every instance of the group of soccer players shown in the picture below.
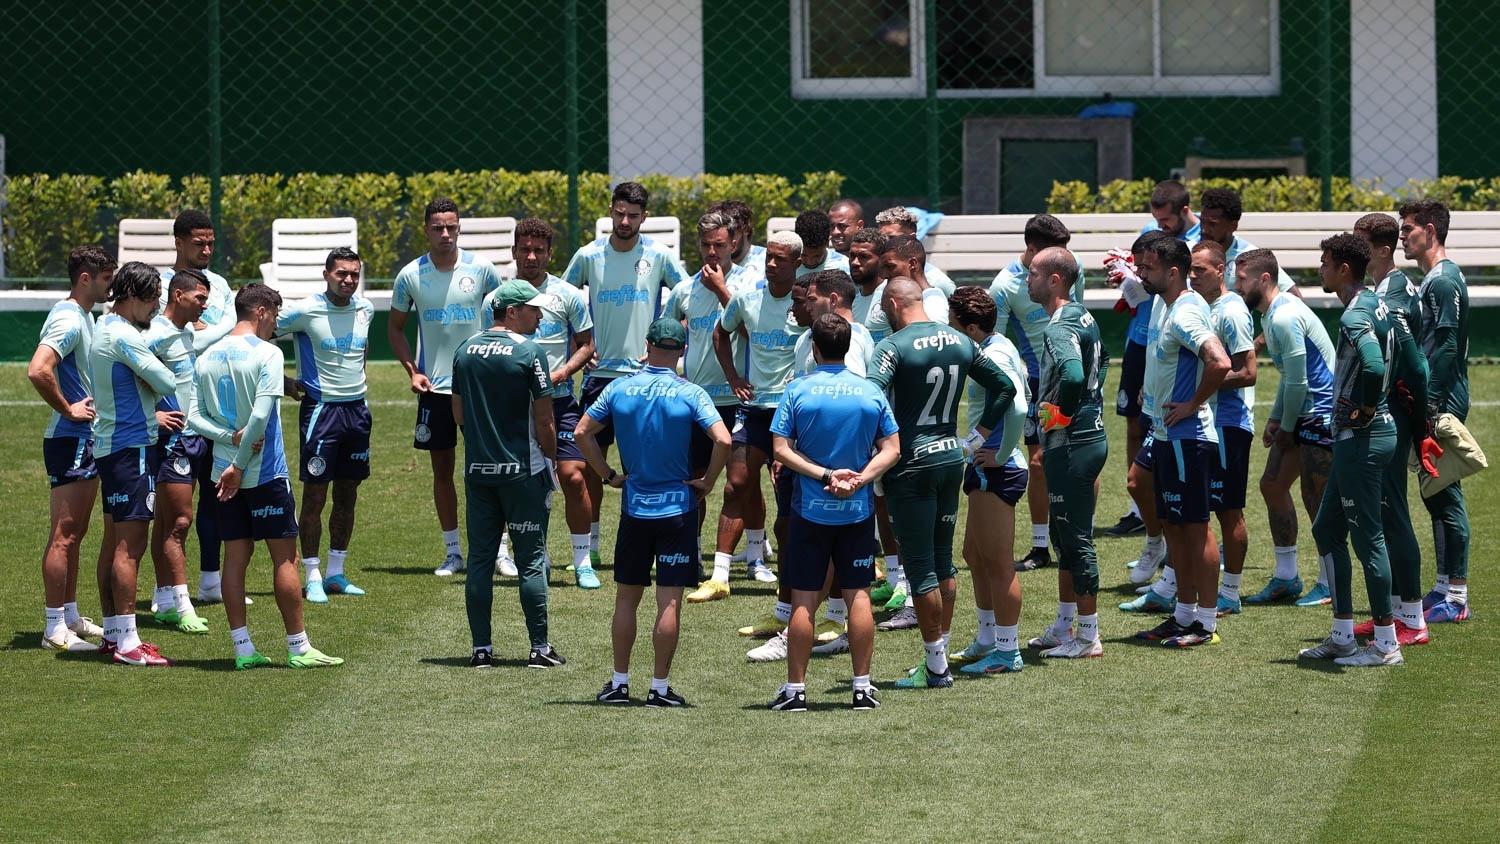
(836, 358)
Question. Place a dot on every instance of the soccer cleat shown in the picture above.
(881, 593)
(85, 626)
(786, 701)
(921, 678)
(1037, 558)
(1371, 656)
(69, 642)
(1319, 596)
(1076, 649)
(1129, 525)
(1161, 632)
(774, 650)
(339, 584)
(1277, 589)
(996, 662)
(189, 622)
(837, 646)
(505, 565)
(1432, 599)
(314, 658)
(614, 694)
(1145, 567)
(864, 700)
(452, 564)
(313, 592)
(760, 573)
(1192, 637)
(1447, 612)
(709, 590)
(973, 652)
(213, 596)
(549, 658)
(897, 600)
(827, 631)
(1228, 606)
(904, 619)
(1050, 638)
(1149, 602)
(254, 660)
(1327, 649)
(482, 658)
(586, 578)
(1411, 635)
(765, 627)
(144, 656)
(664, 700)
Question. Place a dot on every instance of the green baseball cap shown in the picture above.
(666, 333)
(516, 292)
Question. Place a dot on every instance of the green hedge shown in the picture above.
(47, 215)
(1280, 193)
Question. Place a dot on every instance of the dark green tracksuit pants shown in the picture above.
(521, 508)
(1400, 535)
(1071, 470)
(1351, 510)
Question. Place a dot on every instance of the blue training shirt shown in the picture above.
(1140, 324)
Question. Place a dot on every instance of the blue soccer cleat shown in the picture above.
(1278, 589)
(996, 662)
(1319, 596)
(1149, 602)
(1228, 606)
(314, 593)
(1447, 612)
(339, 584)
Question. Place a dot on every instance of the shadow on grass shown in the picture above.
(403, 570)
(25, 640)
(217, 664)
(1322, 666)
(463, 662)
(635, 703)
(1131, 640)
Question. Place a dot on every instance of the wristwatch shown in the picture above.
(827, 476)
(612, 475)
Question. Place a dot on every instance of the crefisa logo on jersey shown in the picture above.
(494, 347)
(316, 466)
(466, 284)
(936, 341)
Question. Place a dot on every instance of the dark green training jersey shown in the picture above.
(499, 374)
(1073, 375)
(923, 368)
(1444, 338)
(1361, 369)
(1408, 369)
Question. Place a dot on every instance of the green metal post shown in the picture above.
(570, 65)
(1325, 105)
(215, 125)
(929, 40)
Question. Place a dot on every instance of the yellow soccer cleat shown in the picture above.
(709, 590)
(765, 628)
(827, 630)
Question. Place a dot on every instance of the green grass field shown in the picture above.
(1236, 742)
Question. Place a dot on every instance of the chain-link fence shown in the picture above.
(533, 108)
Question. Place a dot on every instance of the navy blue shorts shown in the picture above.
(1008, 482)
(1132, 378)
(701, 446)
(593, 387)
(1230, 475)
(68, 459)
(260, 512)
(1031, 432)
(128, 481)
(566, 413)
(811, 547)
(1143, 457)
(669, 543)
(786, 490)
(1183, 469)
(335, 440)
(436, 428)
(185, 459)
(754, 428)
(1314, 430)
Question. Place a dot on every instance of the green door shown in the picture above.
(1028, 169)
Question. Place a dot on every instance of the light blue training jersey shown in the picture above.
(565, 316)
(654, 412)
(332, 342)
(1019, 318)
(698, 307)
(173, 346)
(1140, 324)
(833, 260)
(1238, 245)
(625, 296)
(1006, 437)
(231, 376)
(127, 380)
(1301, 349)
(218, 318)
(1233, 407)
(69, 331)
(834, 419)
(1173, 368)
(448, 306)
(772, 349)
(856, 360)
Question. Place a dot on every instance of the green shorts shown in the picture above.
(924, 514)
(1071, 471)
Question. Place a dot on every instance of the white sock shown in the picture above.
(1458, 594)
(1166, 585)
(593, 536)
(70, 613)
(56, 623)
(180, 600)
(580, 543)
(1229, 586)
(111, 628)
(944, 640)
(755, 546)
(1208, 616)
(1286, 562)
(505, 544)
(910, 600)
(450, 543)
(1185, 614)
(1325, 570)
(793, 688)
(1135, 509)
(336, 562)
(837, 612)
(242, 644)
(862, 681)
(1088, 627)
(1066, 613)
(721, 566)
(1410, 614)
(297, 643)
(1040, 536)
(208, 581)
(659, 685)
(986, 635)
(620, 678)
(1385, 637)
(1343, 631)
(783, 612)
(937, 656)
(129, 640)
(1441, 586)
(1006, 636)
(162, 598)
(894, 574)
(1155, 545)
(310, 565)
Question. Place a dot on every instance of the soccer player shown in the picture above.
(832, 292)
(835, 430)
(566, 334)
(502, 395)
(331, 331)
(900, 220)
(1025, 321)
(1074, 450)
(845, 218)
(1233, 407)
(903, 256)
(237, 404)
(1296, 431)
(59, 370)
(445, 288)
(814, 228)
(1364, 443)
(127, 380)
(1219, 215)
(1186, 365)
(923, 367)
(994, 481)
(626, 273)
(654, 413)
(1444, 339)
(865, 247)
(182, 455)
(747, 256)
(1406, 380)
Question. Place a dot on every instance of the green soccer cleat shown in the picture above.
(254, 660)
(971, 654)
(314, 658)
(882, 593)
(897, 601)
(191, 622)
(920, 678)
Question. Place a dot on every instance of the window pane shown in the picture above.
(985, 45)
(1098, 37)
(1215, 37)
(852, 39)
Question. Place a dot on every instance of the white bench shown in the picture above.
(299, 251)
(664, 230)
(491, 238)
(147, 241)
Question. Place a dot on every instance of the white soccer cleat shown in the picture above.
(85, 626)
(1145, 568)
(833, 648)
(505, 564)
(774, 650)
(67, 641)
(762, 573)
(1050, 638)
(452, 565)
(212, 596)
(1075, 649)
(1371, 656)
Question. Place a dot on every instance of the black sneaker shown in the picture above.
(1166, 630)
(664, 700)
(1038, 558)
(789, 701)
(1129, 525)
(904, 619)
(613, 694)
(549, 658)
(865, 699)
(482, 658)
